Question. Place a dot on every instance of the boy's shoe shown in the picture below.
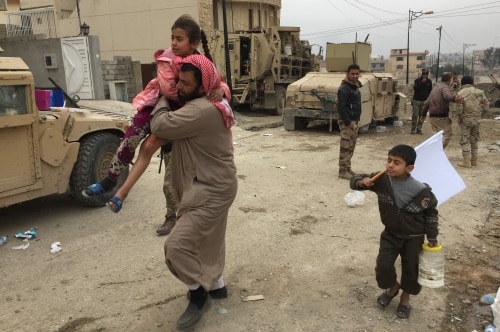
(403, 311)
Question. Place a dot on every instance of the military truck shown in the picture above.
(314, 97)
(263, 64)
(50, 152)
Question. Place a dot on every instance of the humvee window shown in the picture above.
(13, 100)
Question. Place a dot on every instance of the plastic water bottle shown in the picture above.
(3, 239)
(490, 328)
(431, 266)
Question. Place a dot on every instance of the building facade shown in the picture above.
(378, 64)
(130, 27)
(398, 59)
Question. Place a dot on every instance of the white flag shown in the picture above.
(433, 167)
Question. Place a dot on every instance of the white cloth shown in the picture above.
(433, 167)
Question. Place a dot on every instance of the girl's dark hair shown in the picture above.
(406, 152)
(193, 31)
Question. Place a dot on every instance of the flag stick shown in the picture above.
(377, 176)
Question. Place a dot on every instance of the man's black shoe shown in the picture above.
(217, 294)
(195, 309)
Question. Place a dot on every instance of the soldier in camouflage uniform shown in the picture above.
(170, 217)
(422, 87)
(469, 112)
(349, 108)
(455, 86)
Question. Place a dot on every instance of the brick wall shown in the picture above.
(121, 68)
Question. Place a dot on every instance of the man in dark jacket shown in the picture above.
(422, 87)
(349, 108)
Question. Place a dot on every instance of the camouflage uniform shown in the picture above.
(455, 86)
(348, 138)
(469, 112)
(168, 190)
(349, 108)
(422, 87)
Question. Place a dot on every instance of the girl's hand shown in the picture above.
(216, 95)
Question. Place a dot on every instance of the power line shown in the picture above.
(376, 8)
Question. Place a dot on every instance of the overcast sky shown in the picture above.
(386, 22)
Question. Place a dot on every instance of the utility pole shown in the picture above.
(463, 57)
(411, 17)
(439, 50)
(226, 51)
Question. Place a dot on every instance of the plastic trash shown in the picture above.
(490, 328)
(354, 198)
(29, 234)
(55, 247)
(397, 123)
(23, 246)
(3, 240)
(380, 129)
(487, 298)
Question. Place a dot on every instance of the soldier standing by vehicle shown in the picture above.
(349, 108)
(422, 87)
(469, 112)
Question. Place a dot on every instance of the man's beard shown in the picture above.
(185, 98)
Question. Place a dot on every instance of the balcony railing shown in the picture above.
(40, 21)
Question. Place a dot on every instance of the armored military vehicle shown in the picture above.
(263, 63)
(50, 152)
(314, 97)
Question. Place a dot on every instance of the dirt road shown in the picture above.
(290, 238)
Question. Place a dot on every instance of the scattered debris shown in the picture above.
(55, 247)
(23, 246)
(253, 298)
(29, 234)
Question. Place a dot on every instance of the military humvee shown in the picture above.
(50, 152)
(314, 97)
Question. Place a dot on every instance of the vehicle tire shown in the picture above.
(280, 91)
(94, 158)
